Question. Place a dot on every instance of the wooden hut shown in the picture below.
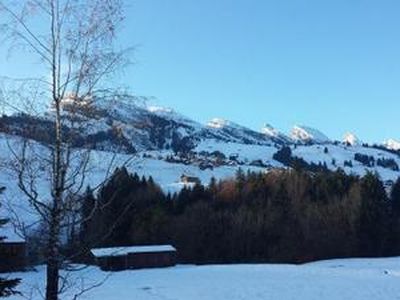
(190, 179)
(136, 257)
(12, 254)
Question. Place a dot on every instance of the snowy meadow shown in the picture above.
(352, 279)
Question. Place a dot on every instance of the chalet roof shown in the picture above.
(188, 176)
(121, 251)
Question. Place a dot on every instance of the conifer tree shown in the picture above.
(374, 215)
(88, 215)
(395, 197)
(394, 240)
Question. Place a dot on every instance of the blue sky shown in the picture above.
(333, 64)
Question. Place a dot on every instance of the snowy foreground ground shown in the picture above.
(336, 279)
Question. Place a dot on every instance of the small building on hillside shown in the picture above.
(12, 253)
(190, 179)
(136, 257)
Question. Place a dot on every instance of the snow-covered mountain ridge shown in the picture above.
(161, 143)
(128, 125)
(308, 135)
(160, 134)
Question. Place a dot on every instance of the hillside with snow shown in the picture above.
(392, 144)
(351, 139)
(159, 142)
(165, 139)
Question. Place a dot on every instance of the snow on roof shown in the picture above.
(120, 251)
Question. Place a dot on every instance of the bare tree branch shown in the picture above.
(75, 45)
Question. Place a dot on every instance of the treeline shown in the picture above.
(281, 216)
(284, 156)
(369, 161)
(43, 131)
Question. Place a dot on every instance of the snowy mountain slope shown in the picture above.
(352, 279)
(244, 154)
(152, 127)
(275, 134)
(228, 131)
(169, 144)
(392, 144)
(334, 156)
(305, 134)
(337, 155)
(351, 139)
(125, 125)
(151, 163)
(210, 157)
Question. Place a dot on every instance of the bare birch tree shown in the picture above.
(75, 43)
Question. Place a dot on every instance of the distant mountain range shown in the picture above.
(126, 126)
(164, 144)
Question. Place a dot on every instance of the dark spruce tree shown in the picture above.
(116, 208)
(128, 209)
(284, 156)
(87, 232)
(395, 198)
(395, 219)
(374, 216)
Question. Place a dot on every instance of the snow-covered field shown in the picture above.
(352, 279)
